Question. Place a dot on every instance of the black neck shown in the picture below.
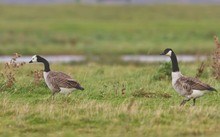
(175, 67)
(46, 64)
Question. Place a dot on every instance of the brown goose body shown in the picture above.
(58, 82)
(61, 82)
(189, 87)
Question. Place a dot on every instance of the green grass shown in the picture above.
(108, 29)
(149, 107)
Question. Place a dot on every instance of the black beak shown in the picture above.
(31, 61)
(162, 53)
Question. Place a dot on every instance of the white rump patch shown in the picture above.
(197, 93)
(66, 90)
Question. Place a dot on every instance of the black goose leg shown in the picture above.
(52, 95)
(194, 102)
(184, 102)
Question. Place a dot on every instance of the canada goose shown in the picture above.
(57, 81)
(189, 87)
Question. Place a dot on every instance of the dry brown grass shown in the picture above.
(119, 86)
(10, 69)
(200, 70)
(38, 76)
(147, 94)
(216, 59)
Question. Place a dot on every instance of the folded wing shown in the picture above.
(196, 84)
(61, 80)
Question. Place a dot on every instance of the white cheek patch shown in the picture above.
(169, 53)
(34, 58)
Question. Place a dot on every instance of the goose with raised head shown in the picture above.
(57, 82)
(189, 87)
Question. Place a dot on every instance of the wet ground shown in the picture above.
(125, 58)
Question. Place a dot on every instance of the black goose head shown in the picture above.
(167, 52)
(36, 58)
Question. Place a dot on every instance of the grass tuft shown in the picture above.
(9, 71)
(163, 72)
(146, 94)
(216, 57)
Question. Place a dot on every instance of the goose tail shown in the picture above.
(79, 87)
(212, 89)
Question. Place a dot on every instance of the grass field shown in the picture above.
(149, 106)
(119, 100)
(108, 29)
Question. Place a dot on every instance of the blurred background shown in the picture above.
(108, 29)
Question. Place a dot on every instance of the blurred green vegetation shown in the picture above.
(108, 29)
